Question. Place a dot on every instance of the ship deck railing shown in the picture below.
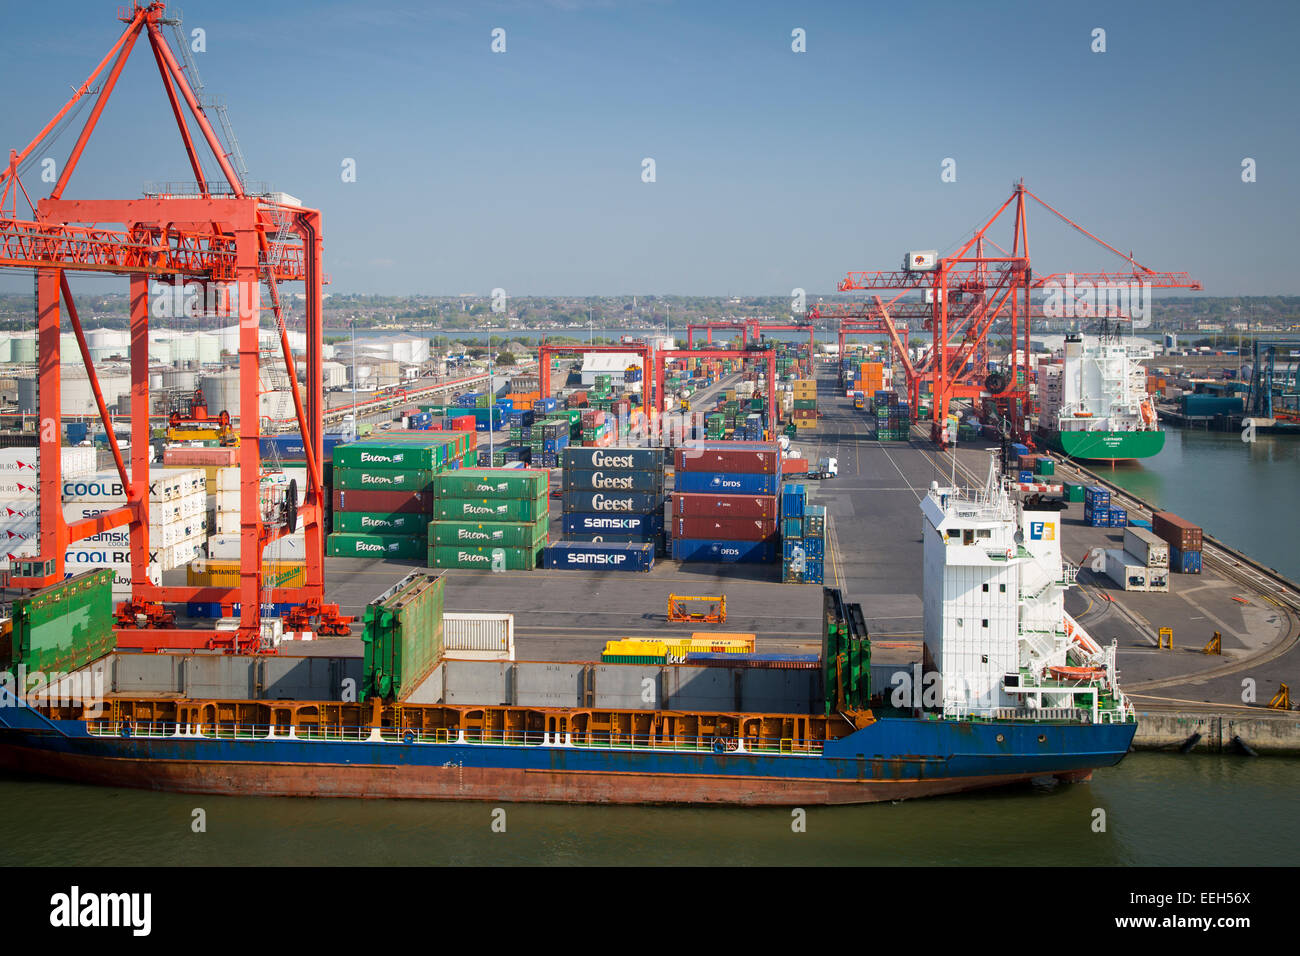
(602, 739)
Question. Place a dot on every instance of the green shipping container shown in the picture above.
(65, 626)
(1072, 492)
(805, 403)
(491, 483)
(491, 509)
(513, 559)
(402, 636)
(1046, 466)
(377, 479)
(391, 455)
(346, 545)
(498, 534)
(366, 522)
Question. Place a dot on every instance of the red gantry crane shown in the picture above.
(972, 289)
(210, 233)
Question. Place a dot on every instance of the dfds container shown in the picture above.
(613, 459)
(724, 506)
(729, 552)
(730, 457)
(725, 529)
(599, 556)
(402, 636)
(727, 483)
(632, 524)
(602, 502)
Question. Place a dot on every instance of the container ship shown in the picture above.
(1009, 689)
(1094, 404)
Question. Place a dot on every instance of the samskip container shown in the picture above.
(599, 556)
(590, 523)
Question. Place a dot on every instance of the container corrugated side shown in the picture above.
(491, 483)
(613, 459)
(478, 636)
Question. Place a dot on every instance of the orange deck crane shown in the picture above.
(210, 234)
(982, 284)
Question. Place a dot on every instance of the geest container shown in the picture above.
(613, 459)
(602, 502)
(726, 529)
(645, 481)
(586, 523)
(724, 506)
(727, 483)
(384, 502)
(1144, 545)
(599, 556)
(1179, 532)
(730, 552)
(732, 457)
(478, 637)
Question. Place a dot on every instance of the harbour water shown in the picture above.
(1242, 493)
(1159, 810)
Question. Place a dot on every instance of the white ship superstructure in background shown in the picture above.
(995, 627)
(1094, 402)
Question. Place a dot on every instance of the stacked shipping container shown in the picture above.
(724, 506)
(1184, 539)
(489, 518)
(804, 413)
(803, 532)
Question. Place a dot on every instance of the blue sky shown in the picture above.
(774, 169)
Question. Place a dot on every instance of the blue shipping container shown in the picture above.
(599, 556)
(704, 482)
(588, 523)
(792, 527)
(291, 447)
(1184, 562)
(612, 502)
(213, 609)
(731, 552)
(616, 538)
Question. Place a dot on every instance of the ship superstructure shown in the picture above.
(1094, 405)
(995, 625)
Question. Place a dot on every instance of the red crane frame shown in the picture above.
(546, 351)
(1001, 286)
(207, 237)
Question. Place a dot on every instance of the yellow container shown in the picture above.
(225, 574)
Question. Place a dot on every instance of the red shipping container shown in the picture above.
(1179, 532)
(384, 502)
(736, 457)
(725, 506)
(794, 466)
(463, 423)
(200, 457)
(725, 529)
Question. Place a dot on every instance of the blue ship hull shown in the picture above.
(891, 759)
